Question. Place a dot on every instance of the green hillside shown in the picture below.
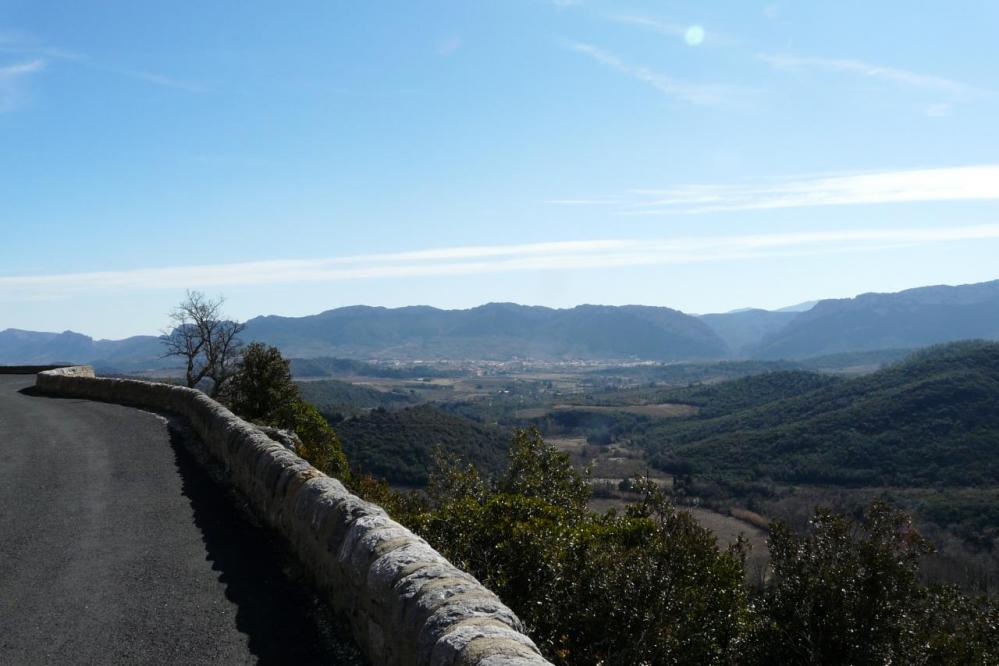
(331, 397)
(930, 420)
(747, 392)
(399, 445)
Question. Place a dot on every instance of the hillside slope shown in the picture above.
(907, 319)
(930, 420)
(399, 445)
(331, 396)
(744, 329)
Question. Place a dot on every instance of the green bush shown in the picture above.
(262, 391)
(850, 594)
(649, 586)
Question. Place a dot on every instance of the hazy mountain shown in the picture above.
(799, 307)
(30, 347)
(496, 331)
(743, 329)
(907, 319)
(502, 331)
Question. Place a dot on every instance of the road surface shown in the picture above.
(116, 547)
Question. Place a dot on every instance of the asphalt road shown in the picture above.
(116, 547)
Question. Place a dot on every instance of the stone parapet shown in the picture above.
(405, 603)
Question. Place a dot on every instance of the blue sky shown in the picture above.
(301, 156)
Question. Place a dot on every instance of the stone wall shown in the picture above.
(405, 603)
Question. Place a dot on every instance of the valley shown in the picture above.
(739, 445)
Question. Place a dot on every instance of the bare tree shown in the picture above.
(205, 339)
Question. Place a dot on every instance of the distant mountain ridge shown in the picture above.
(743, 329)
(907, 319)
(138, 352)
(495, 331)
(503, 331)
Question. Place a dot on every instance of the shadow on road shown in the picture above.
(284, 619)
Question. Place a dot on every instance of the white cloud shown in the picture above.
(26, 44)
(455, 261)
(8, 72)
(891, 74)
(12, 76)
(656, 25)
(694, 93)
(966, 183)
(155, 79)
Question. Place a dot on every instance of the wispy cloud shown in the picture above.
(25, 44)
(12, 76)
(155, 79)
(656, 25)
(455, 261)
(965, 183)
(8, 72)
(893, 75)
(694, 93)
(28, 45)
(682, 31)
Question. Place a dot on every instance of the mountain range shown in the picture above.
(496, 331)
(504, 331)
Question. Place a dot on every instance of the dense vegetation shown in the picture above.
(399, 445)
(748, 392)
(261, 391)
(650, 586)
(932, 420)
(332, 396)
(849, 593)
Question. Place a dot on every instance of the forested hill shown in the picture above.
(721, 398)
(332, 397)
(497, 331)
(932, 419)
(907, 319)
(399, 445)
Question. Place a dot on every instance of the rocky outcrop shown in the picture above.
(405, 603)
